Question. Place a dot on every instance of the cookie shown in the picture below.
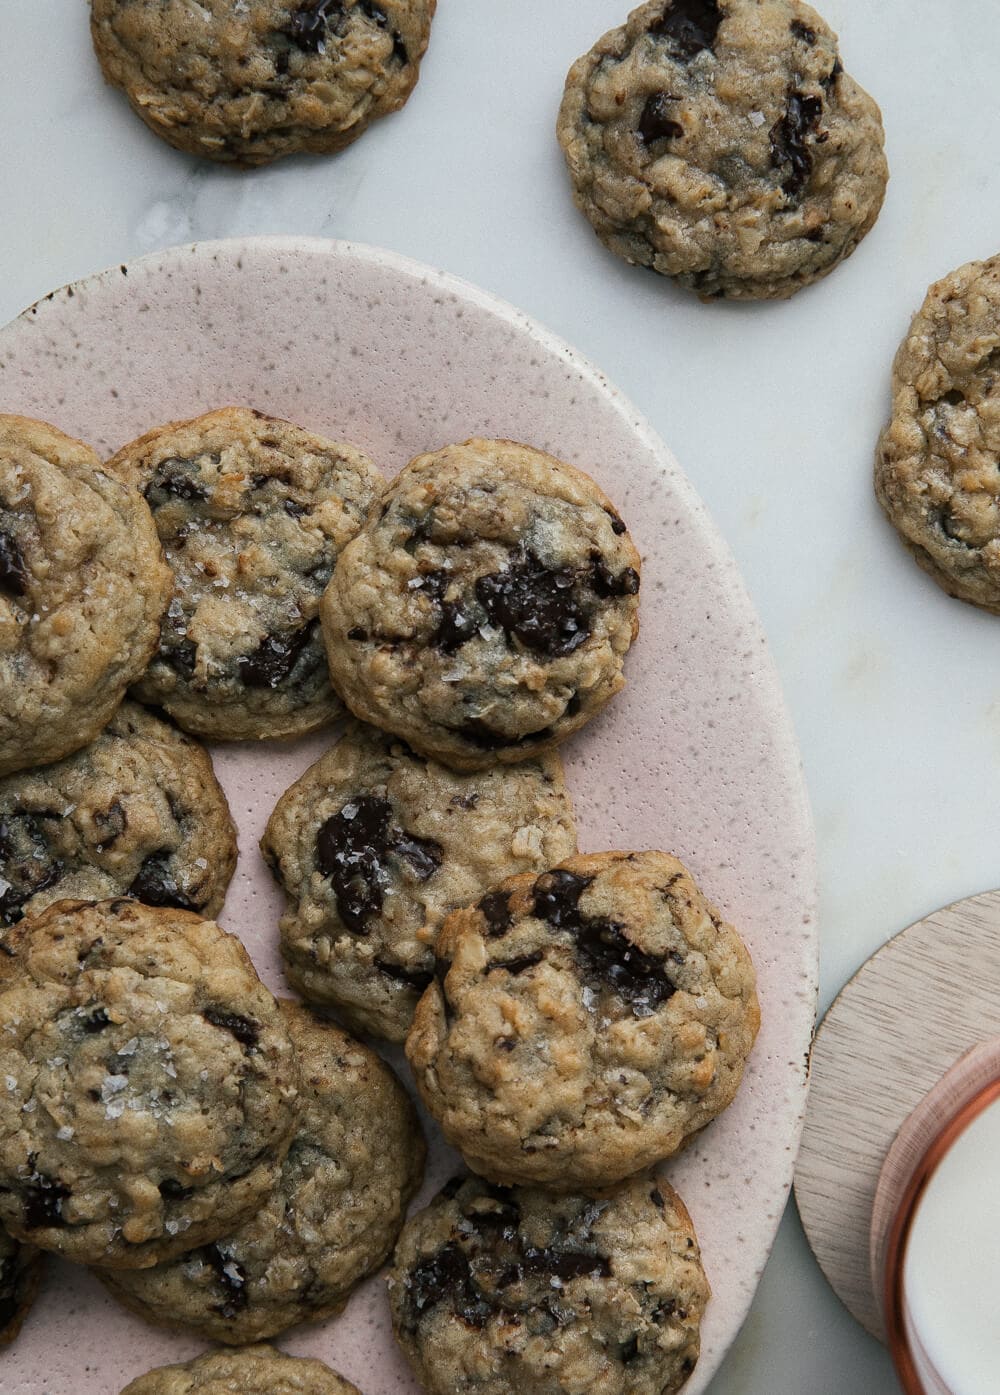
(252, 513)
(138, 812)
(253, 1371)
(151, 1085)
(720, 142)
(20, 1275)
(355, 1164)
(375, 844)
(83, 585)
(585, 1023)
(936, 464)
(511, 1291)
(484, 612)
(246, 83)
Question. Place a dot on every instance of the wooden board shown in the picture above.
(918, 1004)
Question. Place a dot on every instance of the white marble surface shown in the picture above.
(772, 411)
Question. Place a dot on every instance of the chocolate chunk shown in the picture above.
(416, 978)
(456, 626)
(557, 898)
(181, 656)
(536, 604)
(307, 26)
(692, 25)
(173, 479)
(656, 1197)
(565, 1264)
(519, 966)
(155, 884)
(13, 573)
(43, 1198)
(244, 1029)
(357, 634)
(830, 81)
(96, 1021)
(26, 862)
(172, 1190)
(617, 524)
(495, 906)
(606, 584)
(803, 32)
(294, 509)
(109, 824)
(656, 123)
(272, 662)
(788, 140)
(638, 978)
(445, 1277)
(629, 1351)
(231, 1277)
(353, 848)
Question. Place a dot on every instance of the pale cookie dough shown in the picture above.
(248, 82)
(151, 1088)
(509, 1291)
(375, 844)
(584, 1023)
(720, 142)
(252, 1371)
(484, 612)
(82, 587)
(252, 513)
(936, 470)
(355, 1164)
(138, 812)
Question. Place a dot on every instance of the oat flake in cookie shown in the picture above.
(510, 1291)
(936, 465)
(252, 513)
(20, 1275)
(585, 1022)
(354, 1166)
(375, 843)
(82, 588)
(484, 612)
(138, 812)
(248, 82)
(720, 142)
(151, 1088)
(253, 1371)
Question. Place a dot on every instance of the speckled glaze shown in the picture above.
(696, 755)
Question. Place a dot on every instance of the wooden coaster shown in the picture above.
(918, 1004)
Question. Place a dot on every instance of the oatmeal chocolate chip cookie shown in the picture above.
(509, 1291)
(20, 1275)
(138, 812)
(252, 513)
(151, 1085)
(720, 142)
(253, 1371)
(936, 465)
(375, 843)
(355, 1164)
(484, 612)
(83, 585)
(585, 1022)
(246, 83)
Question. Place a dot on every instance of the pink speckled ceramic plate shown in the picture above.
(697, 756)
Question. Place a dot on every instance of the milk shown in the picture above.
(951, 1273)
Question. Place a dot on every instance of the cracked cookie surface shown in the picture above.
(936, 471)
(252, 513)
(83, 585)
(720, 142)
(138, 812)
(583, 1024)
(259, 1370)
(151, 1085)
(484, 612)
(355, 1163)
(375, 843)
(511, 1291)
(246, 83)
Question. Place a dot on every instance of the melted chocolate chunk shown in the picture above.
(43, 1198)
(353, 848)
(656, 1197)
(156, 885)
(536, 604)
(557, 898)
(172, 479)
(519, 966)
(692, 25)
(26, 862)
(307, 26)
(244, 1029)
(788, 140)
(456, 627)
(181, 656)
(109, 824)
(445, 1277)
(495, 906)
(13, 573)
(172, 1190)
(564, 1264)
(617, 524)
(231, 1278)
(275, 657)
(656, 123)
(803, 32)
(606, 584)
(96, 1021)
(416, 978)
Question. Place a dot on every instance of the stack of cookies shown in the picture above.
(232, 1164)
